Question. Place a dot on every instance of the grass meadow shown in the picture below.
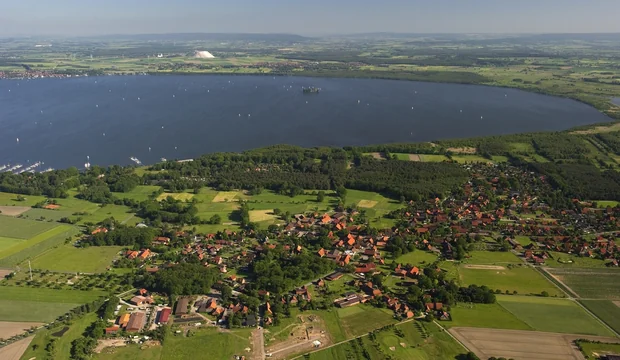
(68, 258)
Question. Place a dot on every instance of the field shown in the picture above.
(423, 341)
(590, 283)
(36, 245)
(224, 196)
(40, 304)
(553, 315)
(360, 319)
(130, 352)
(68, 258)
(176, 196)
(22, 229)
(485, 316)
(217, 344)
(522, 279)
(45, 214)
(564, 260)
(417, 257)
(262, 215)
(63, 343)
(595, 350)
(492, 258)
(510, 344)
(12, 328)
(13, 210)
(6, 243)
(15, 350)
(118, 212)
(605, 310)
(139, 193)
(9, 199)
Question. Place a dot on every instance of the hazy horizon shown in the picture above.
(310, 18)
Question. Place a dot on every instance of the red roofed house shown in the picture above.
(164, 315)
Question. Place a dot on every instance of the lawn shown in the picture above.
(433, 158)
(177, 196)
(553, 315)
(524, 280)
(606, 311)
(22, 229)
(130, 352)
(606, 203)
(68, 258)
(484, 316)
(360, 319)
(417, 257)
(9, 199)
(32, 247)
(207, 343)
(63, 343)
(492, 258)
(590, 283)
(118, 212)
(564, 260)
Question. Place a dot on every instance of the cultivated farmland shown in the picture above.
(510, 343)
(590, 283)
(15, 350)
(553, 315)
(522, 279)
(68, 258)
(22, 229)
(605, 310)
(36, 245)
(12, 328)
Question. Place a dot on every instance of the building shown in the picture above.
(164, 315)
(181, 308)
(123, 320)
(136, 322)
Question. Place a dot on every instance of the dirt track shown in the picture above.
(15, 350)
(522, 345)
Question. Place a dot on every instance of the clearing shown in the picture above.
(417, 257)
(11, 328)
(176, 196)
(68, 258)
(15, 350)
(487, 343)
(367, 203)
(590, 283)
(553, 315)
(13, 210)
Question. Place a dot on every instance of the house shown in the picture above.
(145, 254)
(164, 315)
(434, 306)
(366, 268)
(138, 300)
(161, 240)
(409, 314)
(99, 230)
(136, 322)
(181, 308)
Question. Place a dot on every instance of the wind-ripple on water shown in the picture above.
(139, 112)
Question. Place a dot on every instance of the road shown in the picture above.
(258, 344)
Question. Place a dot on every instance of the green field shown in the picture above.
(485, 316)
(591, 283)
(360, 319)
(68, 258)
(209, 343)
(417, 257)
(423, 341)
(492, 258)
(120, 213)
(606, 311)
(130, 352)
(433, 158)
(606, 203)
(462, 159)
(524, 280)
(63, 343)
(9, 199)
(32, 247)
(22, 229)
(553, 315)
(40, 304)
(564, 260)
(595, 351)
(139, 193)
(6, 243)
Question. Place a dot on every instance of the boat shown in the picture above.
(164, 159)
(135, 159)
(47, 170)
(310, 90)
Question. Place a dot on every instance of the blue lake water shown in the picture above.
(110, 119)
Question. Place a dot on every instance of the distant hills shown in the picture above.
(208, 36)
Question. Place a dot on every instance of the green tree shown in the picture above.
(320, 197)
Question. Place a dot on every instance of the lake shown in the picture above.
(110, 119)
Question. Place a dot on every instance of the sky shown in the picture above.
(306, 17)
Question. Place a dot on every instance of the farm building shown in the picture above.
(181, 308)
(123, 320)
(136, 322)
(164, 315)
